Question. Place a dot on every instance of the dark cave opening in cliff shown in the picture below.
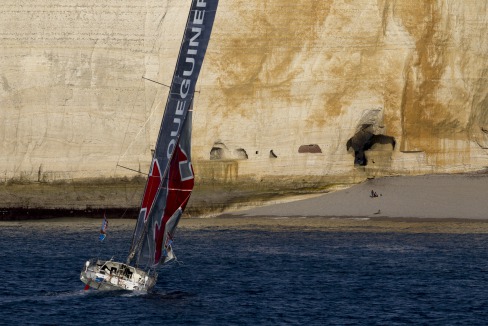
(312, 148)
(364, 140)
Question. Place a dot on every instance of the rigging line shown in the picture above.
(127, 127)
(156, 82)
(125, 211)
(124, 167)
(176, 189)
(140, 130)
(168, 86)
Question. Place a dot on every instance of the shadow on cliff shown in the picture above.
(363, 141)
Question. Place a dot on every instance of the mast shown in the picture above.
(171, 177)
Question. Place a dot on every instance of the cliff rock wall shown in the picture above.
(290, 90)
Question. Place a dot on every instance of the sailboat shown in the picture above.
(170, 179)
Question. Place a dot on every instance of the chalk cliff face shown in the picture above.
(290, 90)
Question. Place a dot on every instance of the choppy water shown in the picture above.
(247, 277)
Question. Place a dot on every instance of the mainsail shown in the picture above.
(171, 178)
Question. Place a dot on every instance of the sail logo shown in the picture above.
(189, 75)
(186, 170)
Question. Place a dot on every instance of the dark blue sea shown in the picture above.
(231, 276)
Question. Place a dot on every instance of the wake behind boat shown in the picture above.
(170, 180)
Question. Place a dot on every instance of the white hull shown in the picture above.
(110, 276)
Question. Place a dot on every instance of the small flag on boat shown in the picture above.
(103, 230)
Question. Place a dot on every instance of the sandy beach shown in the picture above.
(458, 196)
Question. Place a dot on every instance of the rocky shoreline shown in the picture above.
(120, 199)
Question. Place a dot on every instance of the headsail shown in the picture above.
(171, 180)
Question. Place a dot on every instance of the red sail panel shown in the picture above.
(180, 185)
(152, 187)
